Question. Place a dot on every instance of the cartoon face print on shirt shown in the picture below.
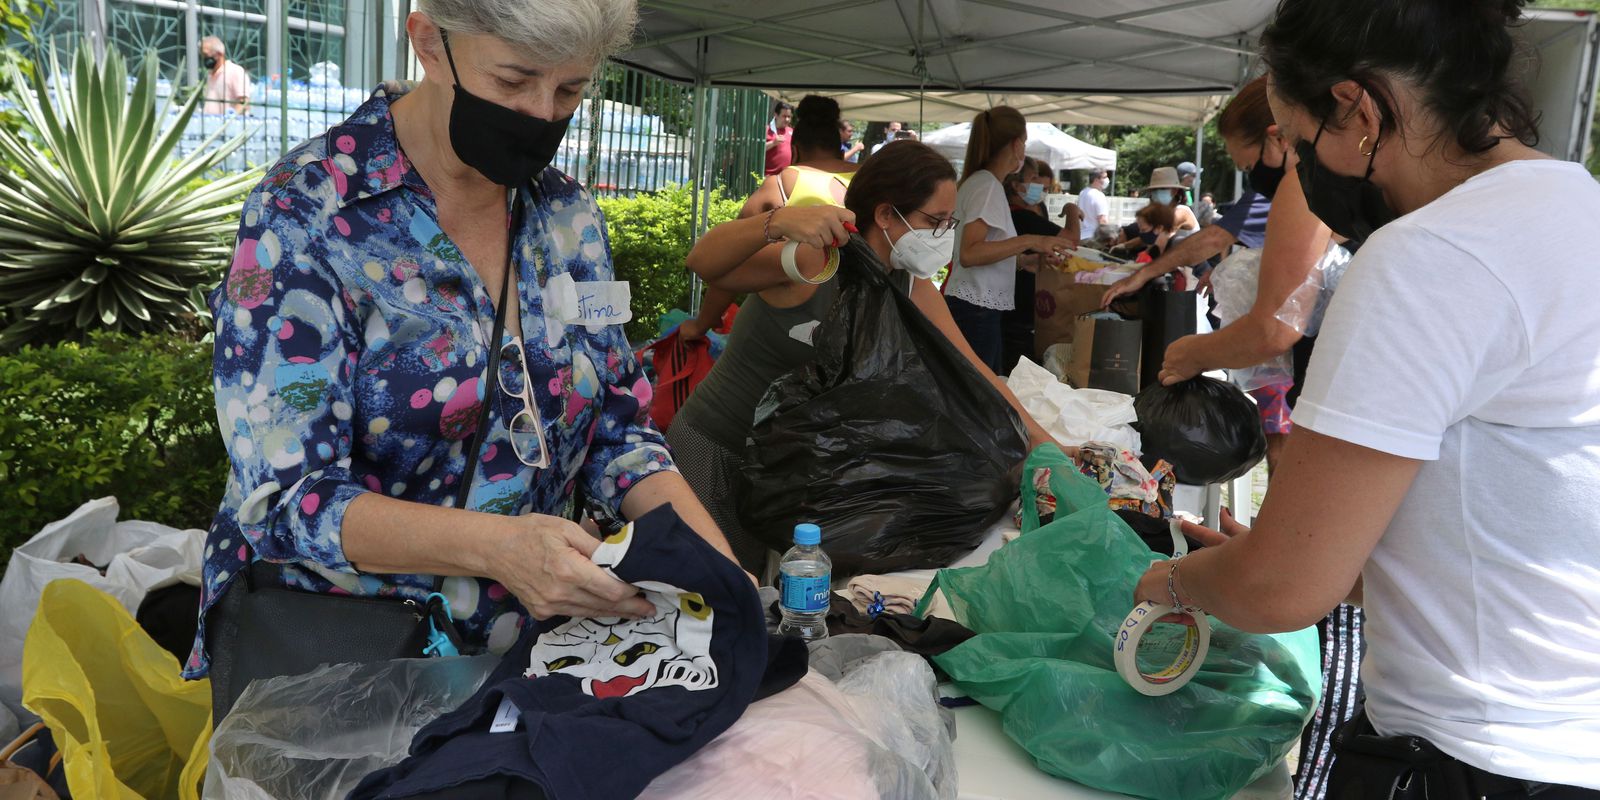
(616, 657)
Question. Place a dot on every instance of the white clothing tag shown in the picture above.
(602, 303)
(805, 331)
(505, 719)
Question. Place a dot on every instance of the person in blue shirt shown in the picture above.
(353, 337)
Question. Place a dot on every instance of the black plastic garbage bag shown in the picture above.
(890, 440)
(1208, 429)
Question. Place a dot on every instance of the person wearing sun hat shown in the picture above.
(1166, 187)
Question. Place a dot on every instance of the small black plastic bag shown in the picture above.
(1209, 430)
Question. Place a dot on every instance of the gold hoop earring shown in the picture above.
(1362, 148)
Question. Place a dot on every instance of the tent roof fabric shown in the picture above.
(1097, 60)
(1045, 141)
(1097, 109)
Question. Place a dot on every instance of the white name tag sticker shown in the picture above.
(560, 306)
(602, 303)
(505, 719)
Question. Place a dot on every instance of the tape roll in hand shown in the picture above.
(1196, 639)
(792, 269)
(1169, 679)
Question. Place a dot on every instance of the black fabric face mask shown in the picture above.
(210, 62)
(1351, 207)
(504, 145)
(1265, 179)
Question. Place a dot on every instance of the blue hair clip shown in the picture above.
(439, 644)
(875, 608)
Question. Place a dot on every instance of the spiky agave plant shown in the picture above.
(100, 226)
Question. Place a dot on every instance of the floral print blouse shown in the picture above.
(351, 355)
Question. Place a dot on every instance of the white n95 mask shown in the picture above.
(921, 253)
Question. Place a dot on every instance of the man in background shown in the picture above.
(780, 152)
(1096, 209)
(890, 134)
(1188, 174)
(227, 83)
(848, 150)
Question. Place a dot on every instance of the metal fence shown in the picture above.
(313, 62)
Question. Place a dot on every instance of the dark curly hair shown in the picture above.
(816, 126)
(1459, 54)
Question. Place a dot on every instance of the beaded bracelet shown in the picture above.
(1172, 583)
(766, 228)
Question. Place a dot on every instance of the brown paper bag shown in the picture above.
(1058, 301)
(1105, 354)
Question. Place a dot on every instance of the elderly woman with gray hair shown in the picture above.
(420, 371)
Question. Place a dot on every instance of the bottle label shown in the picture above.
(807, 595)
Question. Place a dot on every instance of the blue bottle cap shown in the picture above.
(806, 533)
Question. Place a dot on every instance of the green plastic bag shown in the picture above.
(1046, 608)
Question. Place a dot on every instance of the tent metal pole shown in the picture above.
(698, 197)
(1199, 159)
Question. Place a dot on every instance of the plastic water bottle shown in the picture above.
(804, 577)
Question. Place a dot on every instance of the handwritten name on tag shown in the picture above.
(604, 303)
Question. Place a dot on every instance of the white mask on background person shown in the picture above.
(919, 252)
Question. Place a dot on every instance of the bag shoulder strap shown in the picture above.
(475, 451)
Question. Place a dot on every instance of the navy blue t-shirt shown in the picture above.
(600, 707)
(1246, 219)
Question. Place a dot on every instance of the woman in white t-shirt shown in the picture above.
(983, 276)
(1445, 461)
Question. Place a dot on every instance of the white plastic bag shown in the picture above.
(1235, 282)
(876, 735)
(1074, 416)
(139, 557)
(315, 736)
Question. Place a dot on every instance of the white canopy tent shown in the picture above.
(1045, 142)
(1099, 62)
(1091, 109)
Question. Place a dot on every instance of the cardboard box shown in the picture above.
(1058, 302)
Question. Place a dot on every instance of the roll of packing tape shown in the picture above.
(1196, 643)
(792, 269)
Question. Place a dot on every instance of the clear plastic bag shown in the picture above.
(315, 736)
(1235, 281)
(1304, 309)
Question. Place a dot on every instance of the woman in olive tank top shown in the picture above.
(906, 191)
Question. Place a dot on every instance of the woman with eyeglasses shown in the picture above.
(1444, 468)
(387, 274)
(903, 200)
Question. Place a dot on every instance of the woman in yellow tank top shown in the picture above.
(819, 177)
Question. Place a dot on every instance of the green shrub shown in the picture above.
(650, 240)
(119, 415)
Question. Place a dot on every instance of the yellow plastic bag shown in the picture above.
(127, 725)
